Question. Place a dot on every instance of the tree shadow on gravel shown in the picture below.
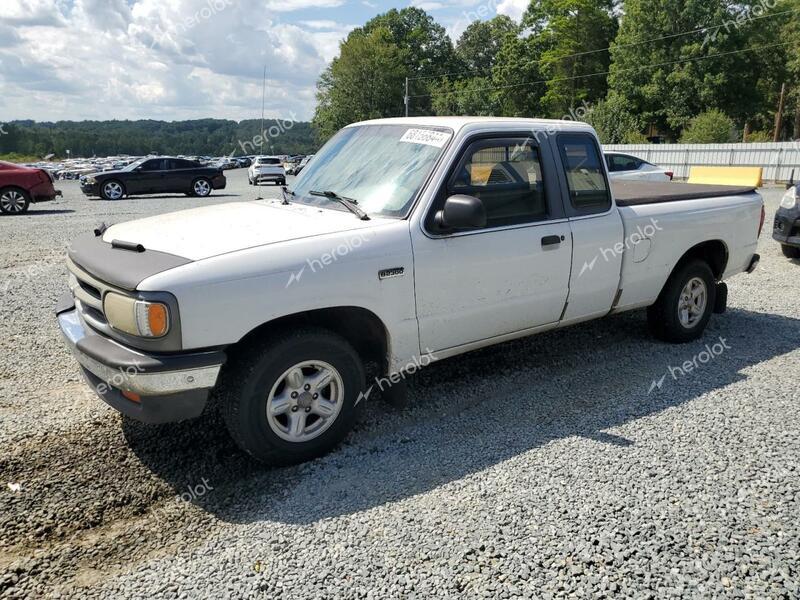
(467, 414)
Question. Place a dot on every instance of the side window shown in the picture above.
(155, 164)
(506, 175)
(588, 189)
(622, 162)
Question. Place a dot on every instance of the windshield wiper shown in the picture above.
(286, 192)
(349, 203)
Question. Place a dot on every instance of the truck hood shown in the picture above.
(209, 231)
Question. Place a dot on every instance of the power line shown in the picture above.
(630, 45)
(663, 64)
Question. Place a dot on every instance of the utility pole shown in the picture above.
(779, 115)
(406, 98)
(263, 100)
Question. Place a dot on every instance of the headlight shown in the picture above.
(790, 199)
(90, 180)
(136, 317)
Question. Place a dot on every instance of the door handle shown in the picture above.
(552, 240)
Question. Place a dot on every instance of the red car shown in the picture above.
(20, 186)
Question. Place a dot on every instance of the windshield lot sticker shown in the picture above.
(425, 136)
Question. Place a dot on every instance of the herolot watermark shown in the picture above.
(3, 129)
(747, 15)
(386, 382)
(328, 258)
(642, 233)
(262, 139)
(687, 367)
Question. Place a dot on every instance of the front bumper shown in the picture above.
(786, 228)
(171, 387)
(90, 189)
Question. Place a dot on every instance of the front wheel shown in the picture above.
(112, 190)
(14, 201)
(684, 306)
(790, 251)
(291, 398)
(201, 187)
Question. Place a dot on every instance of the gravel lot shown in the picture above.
(539, 468)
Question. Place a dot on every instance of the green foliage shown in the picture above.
(711, 127)
(759, 137)
(472, 97)
(478, 46)
(15, 157)
(213, 137)
(614, 122)
(569, 32)
(363, 82)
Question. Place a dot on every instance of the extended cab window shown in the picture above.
(588, 189)
(506, 175)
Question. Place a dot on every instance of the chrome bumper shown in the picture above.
(135, 373)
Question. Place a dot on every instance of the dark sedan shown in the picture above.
(163, 175)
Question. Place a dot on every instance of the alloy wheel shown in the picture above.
(12, 201)
(305, 401)
(692, 302)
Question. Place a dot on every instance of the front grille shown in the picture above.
(88, 293)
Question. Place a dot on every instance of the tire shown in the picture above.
(666, 319)
(790, 251)
(112, 190)
(201, 187)
(264, 373)
(250, 181)
(14, 201)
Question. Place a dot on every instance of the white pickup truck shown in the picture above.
(404, 241)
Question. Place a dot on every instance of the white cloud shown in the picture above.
(513, 8)
(170, 59)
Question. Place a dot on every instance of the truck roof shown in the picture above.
(458, 123)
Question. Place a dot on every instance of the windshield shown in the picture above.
(382, 167)
(134, 164)
(268, 161)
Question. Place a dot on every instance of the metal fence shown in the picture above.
(778, 160)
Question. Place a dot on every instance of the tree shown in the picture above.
(363, 82)
(478, 46)
(516, 66)
(425, 50)
(572, 35)
(711, 127)
(669, 81)
(473, 96)
(614, 123)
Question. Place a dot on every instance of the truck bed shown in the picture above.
(634, 193)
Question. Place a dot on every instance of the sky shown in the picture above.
(185, 59)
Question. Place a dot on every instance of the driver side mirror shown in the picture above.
(461, 212)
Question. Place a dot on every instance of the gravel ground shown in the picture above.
(545, 467)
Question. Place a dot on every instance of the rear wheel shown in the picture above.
(684, 306)
(790, 251)
(201, 187)
(14, 201)
(291, 398)
(112, 190)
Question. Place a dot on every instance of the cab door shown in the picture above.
(509, 276)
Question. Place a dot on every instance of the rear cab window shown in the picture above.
(587, 184)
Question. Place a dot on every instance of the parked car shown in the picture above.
(267, 168)
(625, 166)
(301, 165)
(22, 186)
(162, 175)
(405, 241)
(786, 228)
